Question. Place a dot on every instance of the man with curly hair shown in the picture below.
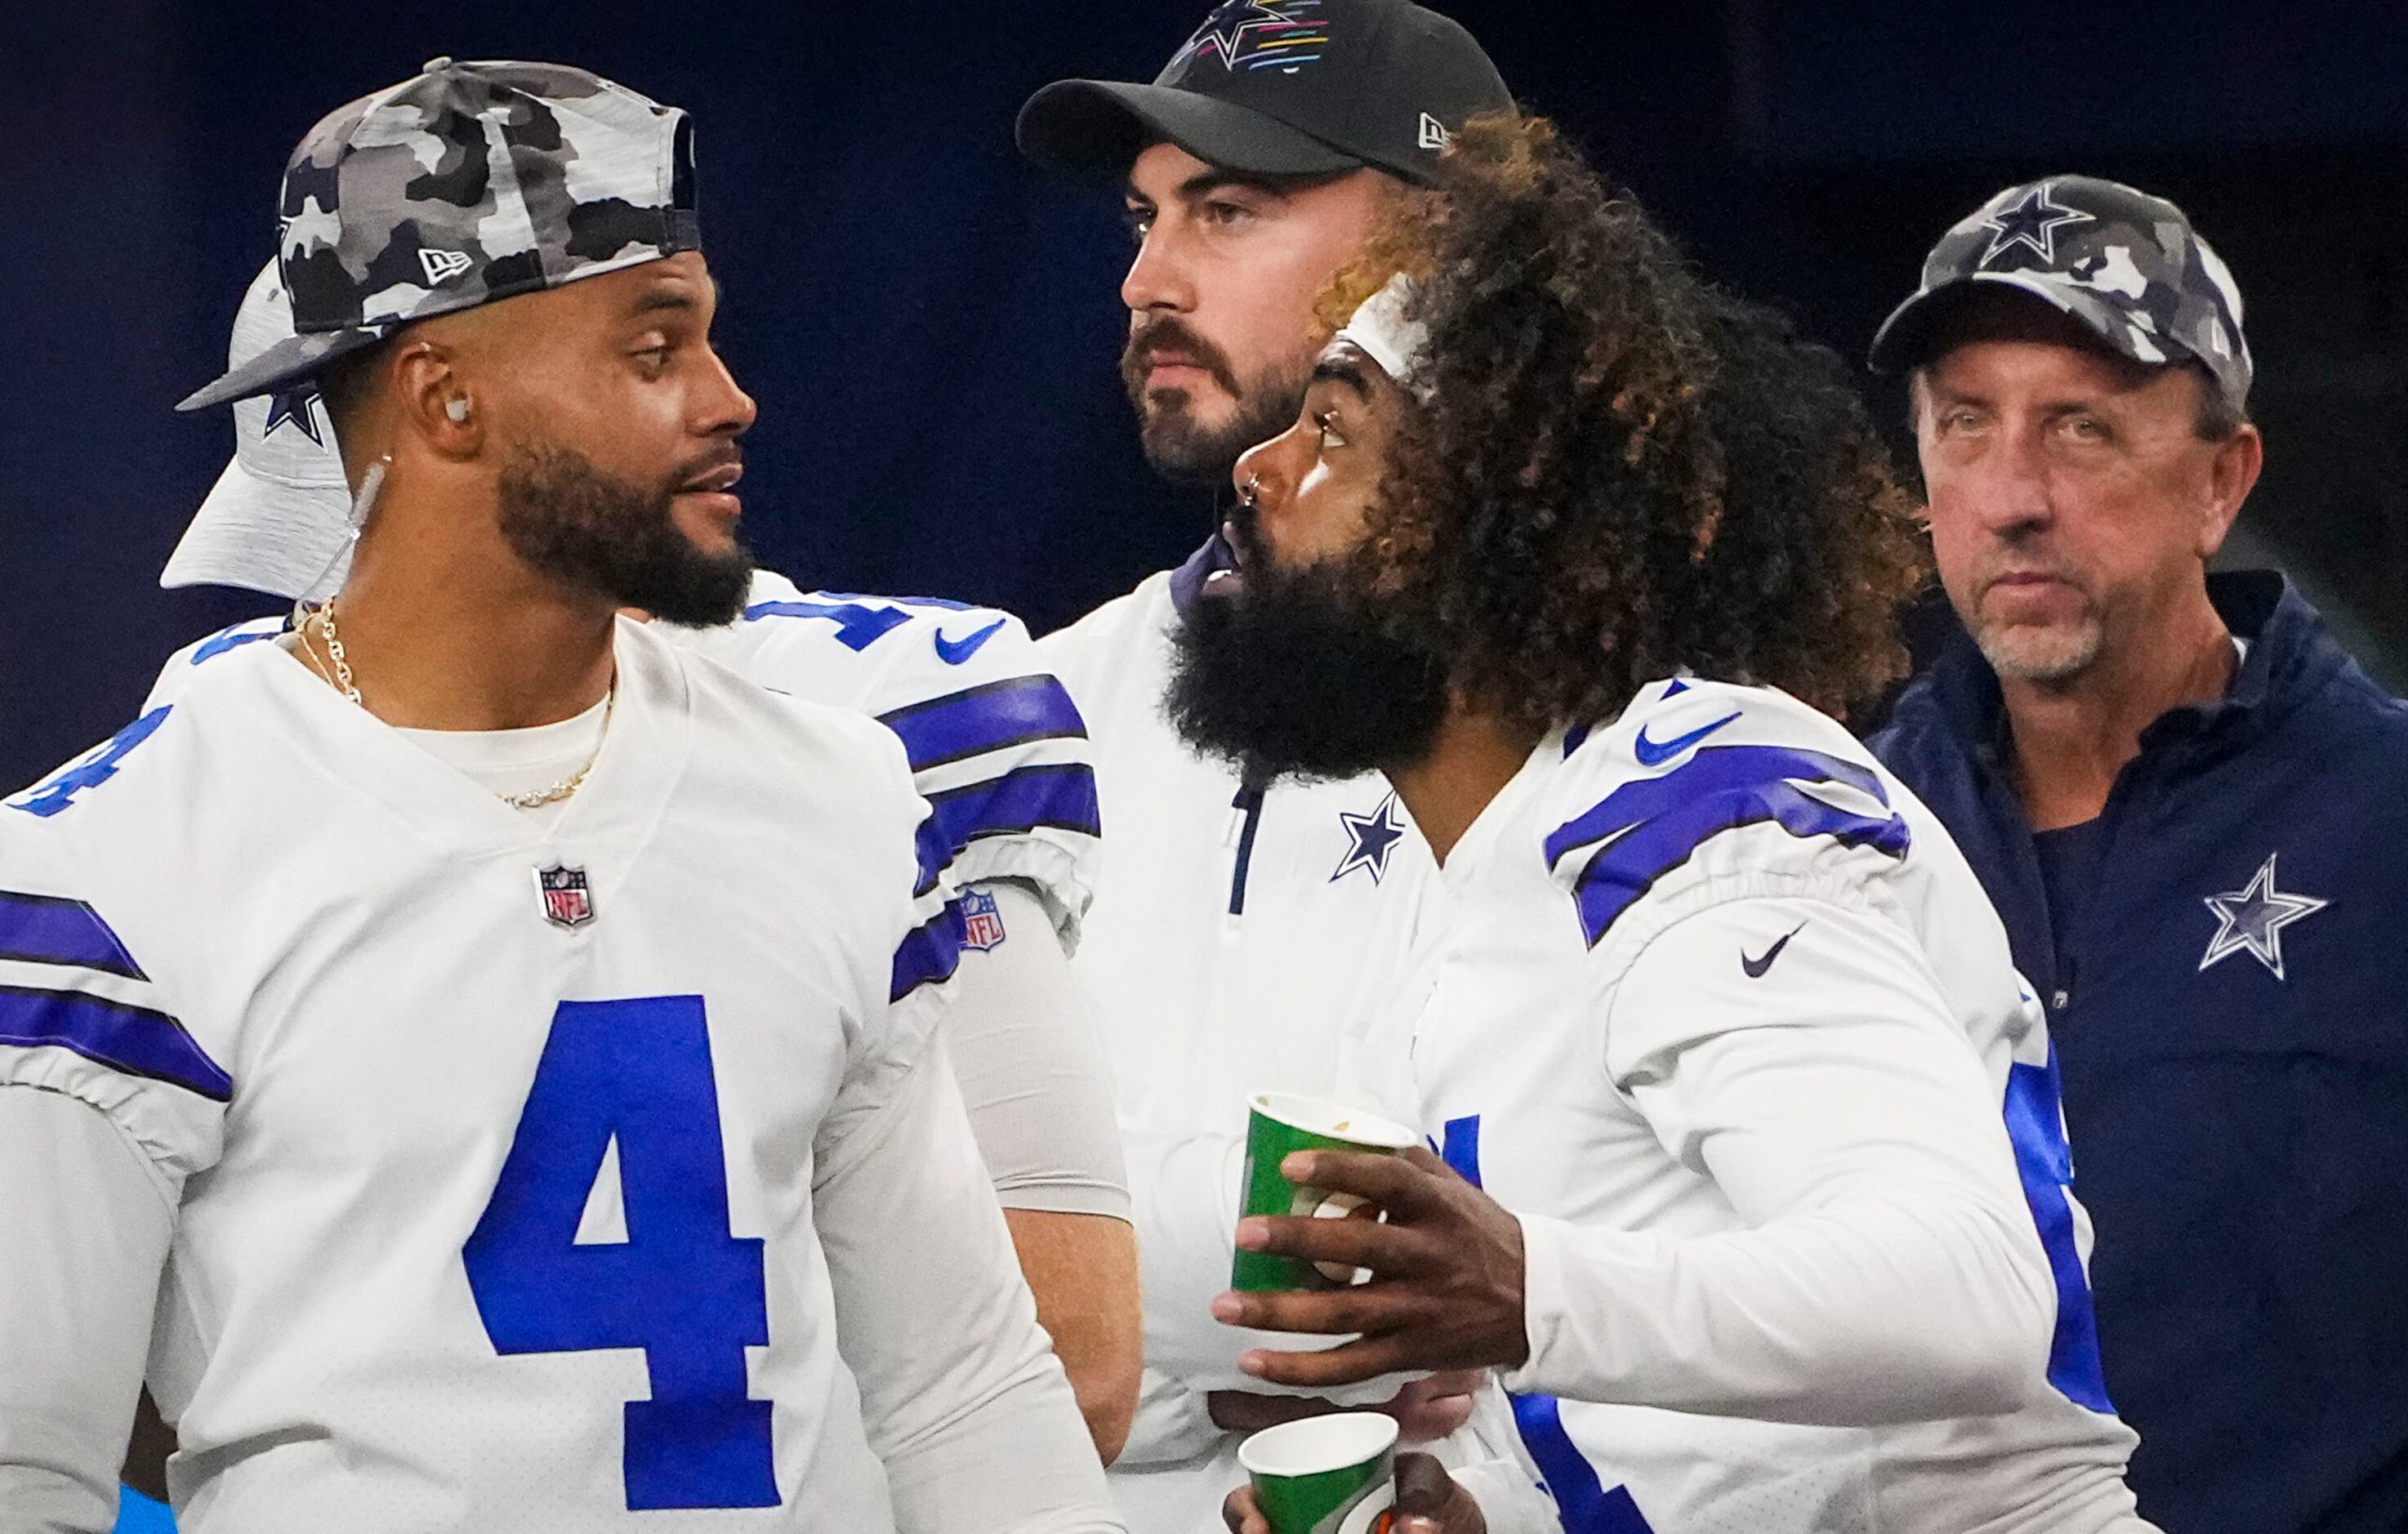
(1574, 548)
(1245, 935)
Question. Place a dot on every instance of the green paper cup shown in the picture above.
(1325, 1475)
(1279, 1124)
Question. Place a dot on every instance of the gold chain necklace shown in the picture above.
(323, 617)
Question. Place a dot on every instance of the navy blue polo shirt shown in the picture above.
(2227, 993)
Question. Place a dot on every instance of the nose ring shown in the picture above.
(1252, 488)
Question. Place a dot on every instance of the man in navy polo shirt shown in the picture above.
(2191, 809)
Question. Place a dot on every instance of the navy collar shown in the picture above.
(2290, 655)
(1188, 581)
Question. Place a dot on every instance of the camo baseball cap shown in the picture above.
(1282, 88)
(463, 184)
(2126, 264)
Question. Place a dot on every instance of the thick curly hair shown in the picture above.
(1622, 470)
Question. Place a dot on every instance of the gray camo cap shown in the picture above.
(2122, 262)
(466, 183)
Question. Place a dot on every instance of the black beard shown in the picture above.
(594, 532)
(1298, 675)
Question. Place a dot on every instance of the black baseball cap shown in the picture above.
(1282, 88)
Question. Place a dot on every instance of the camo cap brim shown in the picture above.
(465, 184)
(2127, 265)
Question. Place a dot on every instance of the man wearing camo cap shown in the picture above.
(2191, 809)
(470, 1054)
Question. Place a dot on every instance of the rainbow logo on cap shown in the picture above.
(1259, 35)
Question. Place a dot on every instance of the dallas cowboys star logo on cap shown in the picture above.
(2031, 220)
(1375, 835)
(1226, 29)
(297, 404)
(2253, 920)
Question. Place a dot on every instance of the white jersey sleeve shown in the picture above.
(996, 747)
(77, 1325)
(1889, 1271)
(80, 1014)
(1773, 1015)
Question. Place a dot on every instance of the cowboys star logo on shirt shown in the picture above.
(2251, 920)
(1374, 837)
(1258, 35)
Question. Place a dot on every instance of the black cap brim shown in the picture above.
(1904, 339)
(294, 357)
(1095, 127)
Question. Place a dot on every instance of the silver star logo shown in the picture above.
(2252, 920)
(2031, 222)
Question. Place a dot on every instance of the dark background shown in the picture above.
(930, 327)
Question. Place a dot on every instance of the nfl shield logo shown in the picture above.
(568, 900)
(982, 923)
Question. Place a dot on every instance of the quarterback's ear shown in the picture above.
(432, 399)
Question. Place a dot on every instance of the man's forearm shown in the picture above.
(1083, 1270)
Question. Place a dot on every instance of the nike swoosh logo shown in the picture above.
(955, 651)
(1657, 753)
(1755, 968)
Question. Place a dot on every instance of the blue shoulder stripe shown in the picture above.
(858, 625)
(936, 853)
(977, 720)
(134, 1040)
(1060, 795)
(51, 929)
(929, 953)
(234, 636)
(1651, 825)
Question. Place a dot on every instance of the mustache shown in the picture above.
(727, 454)
(1170, 333)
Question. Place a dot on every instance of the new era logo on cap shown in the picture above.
(1433, 135)
(441, 265)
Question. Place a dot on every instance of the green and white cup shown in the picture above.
(1279, 1124)
(1325, 1475)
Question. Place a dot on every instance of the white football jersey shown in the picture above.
(996, 748)
(1242, 941)
(492, 1141)
(1709, 970)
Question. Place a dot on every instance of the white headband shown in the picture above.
(1398, 345)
